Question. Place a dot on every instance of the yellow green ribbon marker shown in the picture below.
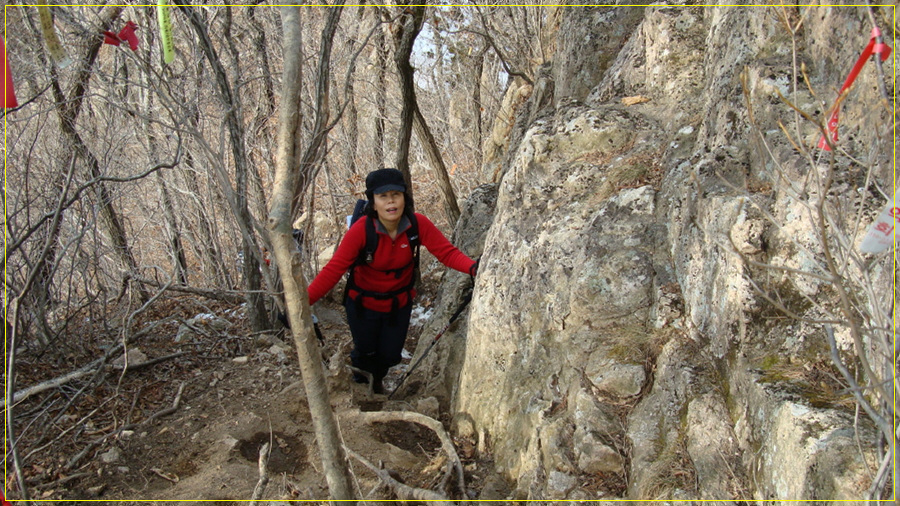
(51, 40)
(165, 31)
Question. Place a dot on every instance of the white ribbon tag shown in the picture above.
(881, 234)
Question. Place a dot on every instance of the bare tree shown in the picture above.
(289, 261)
(515, 44)
(439, 168)
(381, 55)
(406, 30)
(173, 229)
(352, 122)
(250, 251)
(408, 27)
(313, 153)
(206, 243)
(68, 108)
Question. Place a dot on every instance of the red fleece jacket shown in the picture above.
(390, 254)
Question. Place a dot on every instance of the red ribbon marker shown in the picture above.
(3, 499)
(872, 48)
(9, 93)
(126, 34)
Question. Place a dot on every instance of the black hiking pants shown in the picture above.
(378, 338)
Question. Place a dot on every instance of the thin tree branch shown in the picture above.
(503, 59)
(76, 196)
(883, 424)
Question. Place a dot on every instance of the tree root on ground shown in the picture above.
(446, 443)
(402, 490)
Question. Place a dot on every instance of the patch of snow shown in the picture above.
(420, 315)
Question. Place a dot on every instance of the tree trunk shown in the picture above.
(206, 243)
(12, 332)
(437, 165)
(250, 252)
(261, 152)
(478, 108)
(408, 27)
(262, 50)
(289, 263)
(380, 94)
(313, 153)
(173, 230)
(352, 113)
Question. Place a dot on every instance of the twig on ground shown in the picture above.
(91, 368)
(62, 481)
(152, 361)
(230, 296)
(263, 473)
(164, 475)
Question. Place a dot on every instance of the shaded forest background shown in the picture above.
(151, 181)
(130, 181)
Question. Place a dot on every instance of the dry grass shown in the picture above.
(816, 382)
(673, 470)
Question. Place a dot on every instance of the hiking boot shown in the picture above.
(378, 386)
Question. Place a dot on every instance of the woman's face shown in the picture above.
(389, 206)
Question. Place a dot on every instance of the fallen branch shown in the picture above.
(231, 296)
(431, 423)
(166, 476)
(175, 404)
(153, 361)
(89, 369)
(402, 490)
(62, 481)
(263, 473)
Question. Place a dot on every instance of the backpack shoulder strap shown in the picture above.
(414, 240)
(367, 254)
(413, 232)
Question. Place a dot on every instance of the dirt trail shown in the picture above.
(208, 449)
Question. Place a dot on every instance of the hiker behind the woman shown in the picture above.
(381, 289)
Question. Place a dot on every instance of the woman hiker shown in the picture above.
(381, 287)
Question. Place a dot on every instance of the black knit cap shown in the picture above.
(383, 181)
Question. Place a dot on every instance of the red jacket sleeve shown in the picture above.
(346, 254)
(440, 247)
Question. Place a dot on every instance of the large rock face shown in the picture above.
(571, 267)
(614, 333)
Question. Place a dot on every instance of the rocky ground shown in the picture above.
(239, 392)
